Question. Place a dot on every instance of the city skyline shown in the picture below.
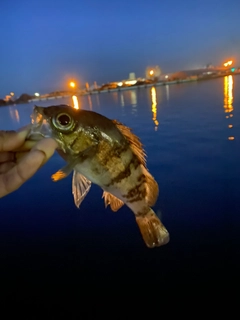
(46, 45)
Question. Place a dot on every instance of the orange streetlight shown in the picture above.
(228, 63)
(72, 84)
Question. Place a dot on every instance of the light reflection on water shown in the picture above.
(154, 107)
(90, 103)
(228, 102)
(75, 102)
(14, 114)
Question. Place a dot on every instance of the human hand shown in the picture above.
(20, 159)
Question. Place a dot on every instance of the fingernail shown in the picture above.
(23, 132)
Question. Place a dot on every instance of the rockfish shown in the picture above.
(105, 152)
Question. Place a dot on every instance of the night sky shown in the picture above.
(45, 43)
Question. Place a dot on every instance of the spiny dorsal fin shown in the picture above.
(114, 202)
(135, 143)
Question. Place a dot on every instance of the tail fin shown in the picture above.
(153, 231)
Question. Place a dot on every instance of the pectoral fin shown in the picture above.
(114, 202)
(80, 157)
(64, 172)
(80, 187)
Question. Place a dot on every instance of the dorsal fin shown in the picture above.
(114, 202)
(152, 188)
(135, 143)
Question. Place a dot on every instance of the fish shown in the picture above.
(107, 153)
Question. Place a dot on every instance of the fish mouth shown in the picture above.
(40, 127)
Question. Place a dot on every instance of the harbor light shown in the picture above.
(36, 94)
(72, 84)
(153, 72)
(130, 82)
(228, 63)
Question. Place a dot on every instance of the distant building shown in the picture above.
(132, 76)
(153, 73)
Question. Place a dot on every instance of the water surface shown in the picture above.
(191, 136)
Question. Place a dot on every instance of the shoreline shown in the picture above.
(136, 87)
(119, 89)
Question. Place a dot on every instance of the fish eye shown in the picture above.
(63, 121)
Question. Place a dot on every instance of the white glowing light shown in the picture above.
(75, 102)
(131, 82)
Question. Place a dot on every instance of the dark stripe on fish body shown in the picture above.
(115, 151)
(145, 211)
(140, 196)
(135, 162)
(135, 192)
(122, 175)
(142, 178)
(126, 173)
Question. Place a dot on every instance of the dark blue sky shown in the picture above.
(44, 43)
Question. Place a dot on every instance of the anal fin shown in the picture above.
(113, 201)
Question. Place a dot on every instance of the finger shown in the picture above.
(6, 166)
(6, 156)
(26, 168)
(19, 156)
(14, 178)
(10, 140)
(27, 145)
(48, 146)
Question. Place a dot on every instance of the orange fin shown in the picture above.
(64, 172)
(153, 231)
(114, 202)
(135, 143)
(80, 187)
(152, 189)
(59, 175)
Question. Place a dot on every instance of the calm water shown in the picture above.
(191, 134)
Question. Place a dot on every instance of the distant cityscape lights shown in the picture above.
(131, 82)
